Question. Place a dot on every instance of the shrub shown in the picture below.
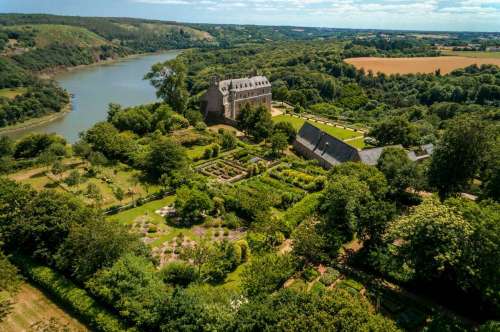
(310, 274)
(178, 273)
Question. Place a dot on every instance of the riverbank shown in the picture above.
(53, 72)
(31, 123)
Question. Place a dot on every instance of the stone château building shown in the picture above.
(224, 100)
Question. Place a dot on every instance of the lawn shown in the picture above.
(196, 152)
(32, 306)
(334, 131)
(148, 209)
(358, 143)
(12, 93)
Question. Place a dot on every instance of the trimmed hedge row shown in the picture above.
(74, 298)
(300, 211)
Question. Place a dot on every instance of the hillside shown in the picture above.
(136, 34)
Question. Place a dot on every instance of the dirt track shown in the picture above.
(417, 65)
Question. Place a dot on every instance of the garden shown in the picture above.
(102, 185)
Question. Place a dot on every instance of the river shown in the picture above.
(94, 87)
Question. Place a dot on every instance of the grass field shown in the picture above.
(12, 93)
(334, 131)
(32, 306)
(418, 64)
(471, 54)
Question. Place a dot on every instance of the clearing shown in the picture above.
(418, 64)
(32, 306)
(12, 93)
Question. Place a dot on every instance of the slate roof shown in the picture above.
(334, 151)
(325, 146)
(243, 84)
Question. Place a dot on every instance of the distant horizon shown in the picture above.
(256, 24)
(390, 15)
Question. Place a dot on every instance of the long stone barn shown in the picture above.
(313, 143)
(224, 100)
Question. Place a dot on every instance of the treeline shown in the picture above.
(59, 55)
(389, 46)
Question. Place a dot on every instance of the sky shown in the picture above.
(452, 15)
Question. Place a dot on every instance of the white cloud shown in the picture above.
(405, 13)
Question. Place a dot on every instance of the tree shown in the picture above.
(256, 122)
(491, 173)
(165, 156)
(73, 178)
(6, 146)
(286, 128)
(44, 222)
(394, 130)
(94, 193)
(191, 205)
(119, 193)
(330, 310)
(308, 243)
(198, 254)
(93, 246)
(398, 169)
(354, 203)
(133, 287)
(228, 140)
(278, 143)
(169, 79)
(263, 275)
(432, 240)
(459, 155)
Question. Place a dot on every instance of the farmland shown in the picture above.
(418, 64)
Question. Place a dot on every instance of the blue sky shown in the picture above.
(471, 15)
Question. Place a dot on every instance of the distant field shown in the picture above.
(484, 55)
(418, 64)
(32, 306)
(11, 93)
(334, 131)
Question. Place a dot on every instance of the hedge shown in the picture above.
(73, 298)
(300, 211)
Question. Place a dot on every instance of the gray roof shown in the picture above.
(243, 84)
(334, 151)
(325, 146)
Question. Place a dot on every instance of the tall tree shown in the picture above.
(459, 155)
(169, 79)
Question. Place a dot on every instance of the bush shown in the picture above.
(329, 277)
(310, 274)
(178, 273)
(75, 299)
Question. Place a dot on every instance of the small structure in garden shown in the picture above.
(313, 143)
(224, 100)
